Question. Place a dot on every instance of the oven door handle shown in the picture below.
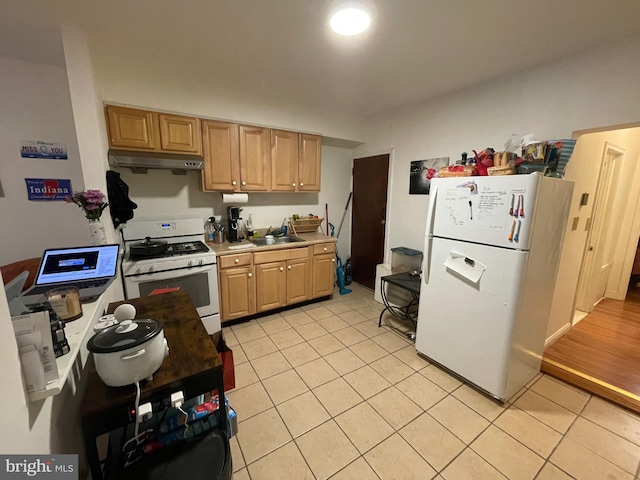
(169, 274)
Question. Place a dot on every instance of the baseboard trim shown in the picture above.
(561, 331)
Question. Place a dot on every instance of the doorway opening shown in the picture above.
(599, 352)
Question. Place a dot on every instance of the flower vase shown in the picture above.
(97, 233)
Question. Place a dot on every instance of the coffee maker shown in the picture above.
(233, 215)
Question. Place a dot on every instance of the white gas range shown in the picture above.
(187, 263)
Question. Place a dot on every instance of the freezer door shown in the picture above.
(468, 310)
(490, 210)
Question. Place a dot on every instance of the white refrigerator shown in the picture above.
(491, 253)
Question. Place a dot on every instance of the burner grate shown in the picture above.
(175, 250)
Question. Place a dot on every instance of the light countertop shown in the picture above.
(309, 239)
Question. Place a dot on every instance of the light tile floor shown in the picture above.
(322, 392)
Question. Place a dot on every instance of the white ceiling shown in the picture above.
(416, 49)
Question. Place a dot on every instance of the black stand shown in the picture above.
(410, 283)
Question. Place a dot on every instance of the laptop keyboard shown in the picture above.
(80, 285)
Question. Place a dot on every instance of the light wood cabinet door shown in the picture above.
(271, 286)
(221, 171)
(237, 293)
(180, 134)
(132, 129)
(309, 161)
(324, 267)
(254, 159)
(284, 161)
(299, 280)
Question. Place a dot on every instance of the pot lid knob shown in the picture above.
(126, 326)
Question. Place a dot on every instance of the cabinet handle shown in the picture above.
(289, 267)
(237, 260)
(244, 183)
(293, 184)
(301, 184)
(282, 269)
(333, 260)
(234, 183)
(325, 249)
(249, 275)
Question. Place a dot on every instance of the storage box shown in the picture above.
(405, 259)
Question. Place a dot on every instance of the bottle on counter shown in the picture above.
(249, 227)
(242, 231)
(210, 230)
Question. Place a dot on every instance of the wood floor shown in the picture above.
(601, 354)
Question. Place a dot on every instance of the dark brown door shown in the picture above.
(370, 177)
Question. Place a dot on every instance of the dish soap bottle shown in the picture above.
(209, 229)
(249, 226)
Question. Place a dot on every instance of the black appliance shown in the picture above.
(233, 215)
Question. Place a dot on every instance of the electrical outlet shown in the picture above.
(145, 412)
(177, 399)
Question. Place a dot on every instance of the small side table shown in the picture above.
(410, 283)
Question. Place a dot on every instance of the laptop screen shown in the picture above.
(77, 264)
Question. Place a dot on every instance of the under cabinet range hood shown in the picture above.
(140, 162)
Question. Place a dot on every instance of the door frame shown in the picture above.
(588, 260)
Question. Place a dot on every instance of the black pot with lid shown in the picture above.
(148, 247)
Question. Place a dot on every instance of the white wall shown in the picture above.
(585, 91)
(159, 192)
(35, 105)
(88, 115)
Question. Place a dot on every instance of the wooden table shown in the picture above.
(193, 367)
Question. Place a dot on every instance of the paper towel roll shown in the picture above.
(235, 198)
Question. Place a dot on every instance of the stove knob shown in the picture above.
(139, 271)
(189, 264)
(201, 262)
(150, 269)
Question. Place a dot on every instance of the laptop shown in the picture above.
(90, 269)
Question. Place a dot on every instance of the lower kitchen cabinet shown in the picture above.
(271, 279)
(324, 267)
(237, 292)
(299, 280)
(271, 286)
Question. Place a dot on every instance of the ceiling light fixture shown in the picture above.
(350, 18)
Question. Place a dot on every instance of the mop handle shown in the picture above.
(344, 214)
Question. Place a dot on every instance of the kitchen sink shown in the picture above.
(276, 241)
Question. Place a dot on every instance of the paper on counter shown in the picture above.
(465, 267)
(241, 247)
(34, 329)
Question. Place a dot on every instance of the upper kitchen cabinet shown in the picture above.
(180, 134)
(221, 171)
(134, 129)
(295, 161)
(284, 161)
(255, 159)
(309, 163)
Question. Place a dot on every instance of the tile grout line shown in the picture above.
(449, 393)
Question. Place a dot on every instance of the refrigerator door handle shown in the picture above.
(433, 197)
